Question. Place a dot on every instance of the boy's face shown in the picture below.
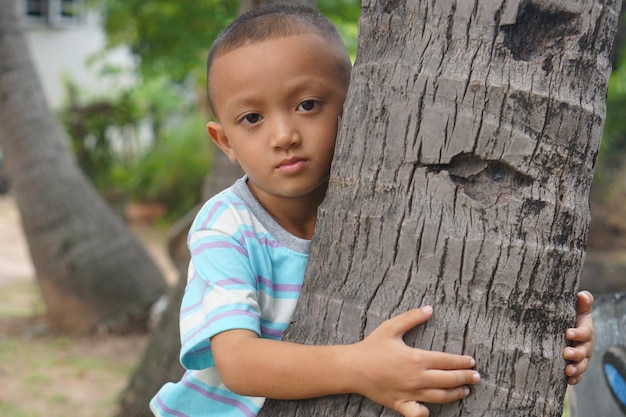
(278, 103)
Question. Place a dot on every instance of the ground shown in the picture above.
(53, 376)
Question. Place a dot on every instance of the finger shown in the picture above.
(573, 380)
(581, 367)
(575, 354)
(577, 369)
(449, 379)
(446, 361)
(583, 333)
(584, 302)
(442, 396)
(404, 322)
(412, 409)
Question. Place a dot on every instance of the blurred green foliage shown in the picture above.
(173, 172)
(169, 37)
(611, 163)
(613, 145)
(89, 122)
(148, 143)
(345, 15)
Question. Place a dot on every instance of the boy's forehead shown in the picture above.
(279, 67)
(311, 54)
(305, 35)
(254, 49)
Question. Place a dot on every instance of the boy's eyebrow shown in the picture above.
(241, 102)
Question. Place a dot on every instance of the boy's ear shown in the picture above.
(216, 132)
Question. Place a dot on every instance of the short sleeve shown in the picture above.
(221, 292)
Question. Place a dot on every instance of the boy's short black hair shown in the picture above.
(274, 21)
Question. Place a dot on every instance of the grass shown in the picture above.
(42, 374)
(52, 375)
(19, 299)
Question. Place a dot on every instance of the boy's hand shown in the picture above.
(582, 339)
(401, 377)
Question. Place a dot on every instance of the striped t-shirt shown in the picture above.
(246, 272)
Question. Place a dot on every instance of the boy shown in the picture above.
(277, 80)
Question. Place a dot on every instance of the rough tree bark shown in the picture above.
(90, 268)
(461, 180)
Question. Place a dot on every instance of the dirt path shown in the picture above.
(53, 376)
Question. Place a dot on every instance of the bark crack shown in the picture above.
(539, 30)
(487, 182)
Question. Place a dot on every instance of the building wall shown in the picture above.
(61, 52)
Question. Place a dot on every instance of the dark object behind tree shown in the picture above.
(596, 395)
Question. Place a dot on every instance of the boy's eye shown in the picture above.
(308, 105)
(252, 118)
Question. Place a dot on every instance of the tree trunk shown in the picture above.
(461, 179)
(90, 268)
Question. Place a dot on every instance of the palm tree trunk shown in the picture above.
(461, 179)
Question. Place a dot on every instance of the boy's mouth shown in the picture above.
(291, 165)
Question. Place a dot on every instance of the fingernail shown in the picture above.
(472, 362)
(467, 391)
(476, 377)
(427, 309)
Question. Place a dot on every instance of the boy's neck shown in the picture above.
(295, 215)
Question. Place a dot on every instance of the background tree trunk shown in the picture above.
(461, 180)
(90, 268)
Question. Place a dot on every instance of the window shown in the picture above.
(36, 8)
(56, 13)
(68, 8)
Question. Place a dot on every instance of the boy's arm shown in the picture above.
(579, 353)
(381, 367)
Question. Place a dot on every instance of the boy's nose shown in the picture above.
(285, 134)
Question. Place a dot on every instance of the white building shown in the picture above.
(62, 36)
